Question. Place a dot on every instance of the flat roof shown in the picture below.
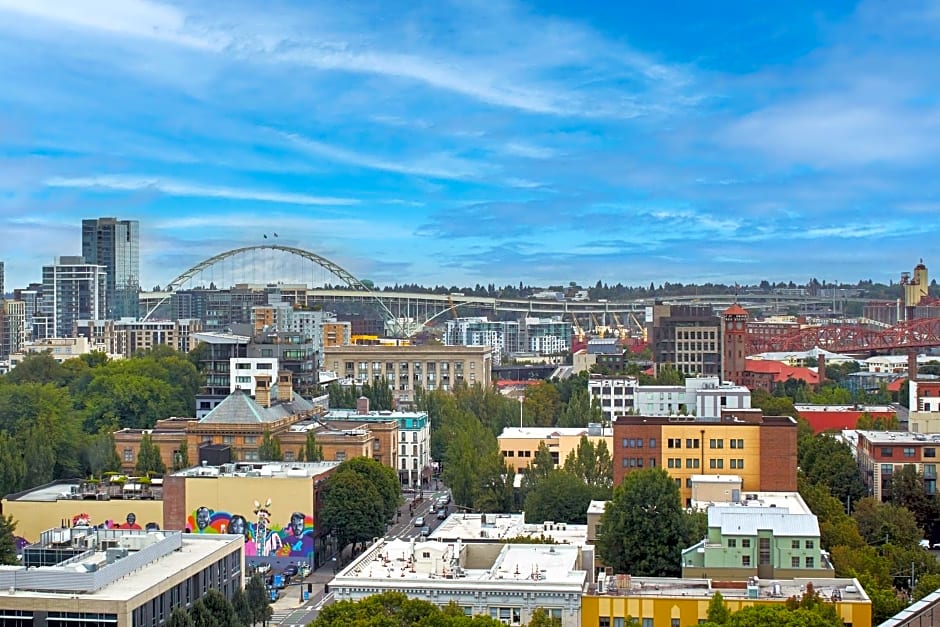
(475, 527)
(190, 549)
(786, 502)
(263, 469)
(217, 337)
(457, 563)
(847, 589)
(900, 437)
(845, 408)
(597, 507)
(372, 415)
(551, 432)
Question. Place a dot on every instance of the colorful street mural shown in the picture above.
(130, 522)
(263, 537)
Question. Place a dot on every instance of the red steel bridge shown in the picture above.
(854, 338)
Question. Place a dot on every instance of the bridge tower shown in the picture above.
(733, 343)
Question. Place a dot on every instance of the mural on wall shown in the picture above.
(263, 537)
(130, 522)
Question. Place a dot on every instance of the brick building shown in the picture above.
(760, 449)
(882, 453)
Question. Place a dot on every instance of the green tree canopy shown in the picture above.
(352, 508)
(394, 609)
(381, 477)
(886, 523)
(592, 464)
(643, 528)
(149, 459)
(559, 496)
(270, 448)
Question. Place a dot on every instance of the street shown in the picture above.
(291, 611)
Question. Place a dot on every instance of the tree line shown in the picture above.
(57, 420)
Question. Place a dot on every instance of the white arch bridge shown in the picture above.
(320, 281)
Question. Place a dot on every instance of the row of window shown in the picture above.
(713, 463)
(794, 561)
(636, 443)
(637, 462)
(714, 443)
(907, 451)
(431, 366)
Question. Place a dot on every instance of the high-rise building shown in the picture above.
(115, 244)
(2, 285)
(12, 327)
(685, 337)
(72, 290)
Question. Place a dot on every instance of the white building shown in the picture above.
(704, 397)
(245, 369)
(505, 581)
(470, 527)
(545, 336)
(501, 335)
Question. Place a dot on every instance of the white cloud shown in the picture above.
(439, 166)
(192, 190)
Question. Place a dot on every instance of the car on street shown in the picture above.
(291, 571)
(425, 531)
(419, 521)
(441, 514)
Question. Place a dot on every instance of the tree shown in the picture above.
(101, 454)
(258, 600)
(559, 496)
(718, 611)
(179, 617)
(494, 492)
(381, 477)
(313, 452)
(541, 466)
(201, 616)
(148, 457)
(578, 411)
(270, 448)
(907, 490)
(592, 464)
(220, 608)
(242, 608)
(643, 528)
(352, 509)
(8, 541)
(541, 405)
(541, 618)
(181, 456)
(927, 584)
(824, 460)
(883, 522)
(391, 609)
(12, 465)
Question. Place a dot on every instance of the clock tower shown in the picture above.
(734, 343)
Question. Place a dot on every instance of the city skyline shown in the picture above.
(477, 142)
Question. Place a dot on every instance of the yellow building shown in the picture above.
(518, 446)
(673, 602)
(759, 449)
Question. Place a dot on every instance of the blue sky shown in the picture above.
(478, 141)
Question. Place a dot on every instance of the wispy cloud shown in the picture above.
(180, 188)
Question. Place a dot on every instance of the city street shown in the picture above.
(291, 611)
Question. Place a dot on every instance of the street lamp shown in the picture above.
(521, 401)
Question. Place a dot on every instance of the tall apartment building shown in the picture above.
(126, 337)
(73, 290)
(316, 328)
(501, 335)
(35, 321)
(760, 449)
(2, 282)
(704, 397)
(12, 327)
(220, 349)
(406, 368)
(115, 244)
(546, 336)
(686, 337)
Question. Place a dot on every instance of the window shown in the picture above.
(128, 454)
(930, 452)
(675, 622)
(732, 543)
(745, 560)
(652, 462)
(639, 443)
(737, 464)
(652, 442)
(623, 460)
(795, 544)
(746, 543)
(716, 443)
(691, 462)
(340, 456)
(810, 544)
(737, 443)
(623, 444)
(810, 562)
(716, 463)
(508, 615)
(603, 621)
(887, 451)
(251, 440)
(908, 452)
(674, 443)
(795, 561)
(647, 622)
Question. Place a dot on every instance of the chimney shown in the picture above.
(285, 386)
(912, 366)
(362, 406)
(263, 389)
(821, 367)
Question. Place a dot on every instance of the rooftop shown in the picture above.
(899, 437)
(403, 562)
(545, 433)
(352, 414)
(785, 502)
(597, 507)
(625, 585)
(102, 564)
(846, 408)
(747, 519)
(217, 337)
(476, 527)
(260, 469)
(240, 408)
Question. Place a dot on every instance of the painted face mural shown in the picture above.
(263, 536)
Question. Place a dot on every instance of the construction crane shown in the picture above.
(577, 327)
(453, 308)
(621, 330)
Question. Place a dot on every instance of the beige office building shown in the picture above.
(406, 368)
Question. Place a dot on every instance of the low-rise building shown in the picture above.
(699, 396)
(838, 417)
(123, 578)
(771, 535)
(882, 453)
(518, 445)
(470, 527)
(59, 348)
(505, 581)
(675, 602)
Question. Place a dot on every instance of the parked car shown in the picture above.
(291, 571)
(419, 521)
(441, 514)
(425, 531)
